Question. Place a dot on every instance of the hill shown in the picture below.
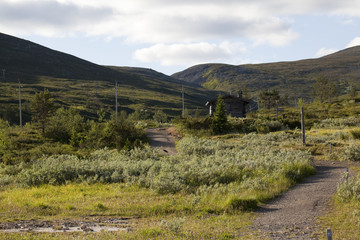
(294, 78)
(85, 85)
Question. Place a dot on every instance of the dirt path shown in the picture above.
(293, 214)
(161, 138)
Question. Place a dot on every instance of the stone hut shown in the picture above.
(235, 106)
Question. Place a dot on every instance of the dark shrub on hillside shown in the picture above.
(113, 134)
(63, 124)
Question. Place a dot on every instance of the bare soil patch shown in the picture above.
(163, 139)
(293, 214)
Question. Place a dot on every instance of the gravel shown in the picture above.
(293, 214)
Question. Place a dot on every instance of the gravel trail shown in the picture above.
(293, 214)
(161, 138)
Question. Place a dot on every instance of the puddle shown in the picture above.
(97, 225)
(65, 229)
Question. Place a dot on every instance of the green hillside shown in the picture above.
(87, 86)
(294, 78)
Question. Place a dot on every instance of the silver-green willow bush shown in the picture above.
(253, 162)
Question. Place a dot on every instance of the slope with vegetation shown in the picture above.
(292, 78)
(87, 86)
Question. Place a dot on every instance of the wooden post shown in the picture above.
(116, 101)
(20, 110)
(303, 126)
(182, 102)
(328, 234)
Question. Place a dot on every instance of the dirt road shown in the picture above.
(293, 214)
(162, 139)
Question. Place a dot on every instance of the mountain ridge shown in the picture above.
(88, 86)
(294, 78)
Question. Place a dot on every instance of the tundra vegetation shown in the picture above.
(78, 168)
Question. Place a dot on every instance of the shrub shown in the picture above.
(351, 153)
(254, 163)
(242, 125)
(349, 189)
(355, 133)
(235, 203)
(338, 123)
(63, 124)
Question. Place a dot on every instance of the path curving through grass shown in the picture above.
(293, 214)
(162, 139)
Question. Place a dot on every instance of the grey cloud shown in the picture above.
(50, 13)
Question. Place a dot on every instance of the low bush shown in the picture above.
(338, 123)
(355, 133)
(201, 163)
(349, 189)
(235, 203)
(351, 152)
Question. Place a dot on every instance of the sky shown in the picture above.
(172, 35)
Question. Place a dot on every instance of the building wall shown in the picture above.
(234, 107)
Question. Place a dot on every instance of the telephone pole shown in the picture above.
(3, 73)
(20, 112)
(116, 101)
(303, 126)
(183, 101)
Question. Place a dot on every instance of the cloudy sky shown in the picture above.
(171, 35)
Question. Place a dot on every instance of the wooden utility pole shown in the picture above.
(303, 126)
(116, 101)
(20, 111)
(183, 101)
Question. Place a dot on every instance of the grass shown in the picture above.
(198, 211)
(210, 200)
(344, 217)
(76, 200)
(160, 216)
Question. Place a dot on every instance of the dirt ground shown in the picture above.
(293, 214)
(163, 139)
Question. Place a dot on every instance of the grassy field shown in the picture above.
(208, 191)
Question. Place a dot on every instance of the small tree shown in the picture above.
(42, 106)
(160, 116)
(268, 98)
(323, 89)
(220, 118)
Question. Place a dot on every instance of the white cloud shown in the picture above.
(354, 42)
(177, 31)
(325, 51)
(189, 54)
(164, 21)
(155, 21)
(49, 18)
